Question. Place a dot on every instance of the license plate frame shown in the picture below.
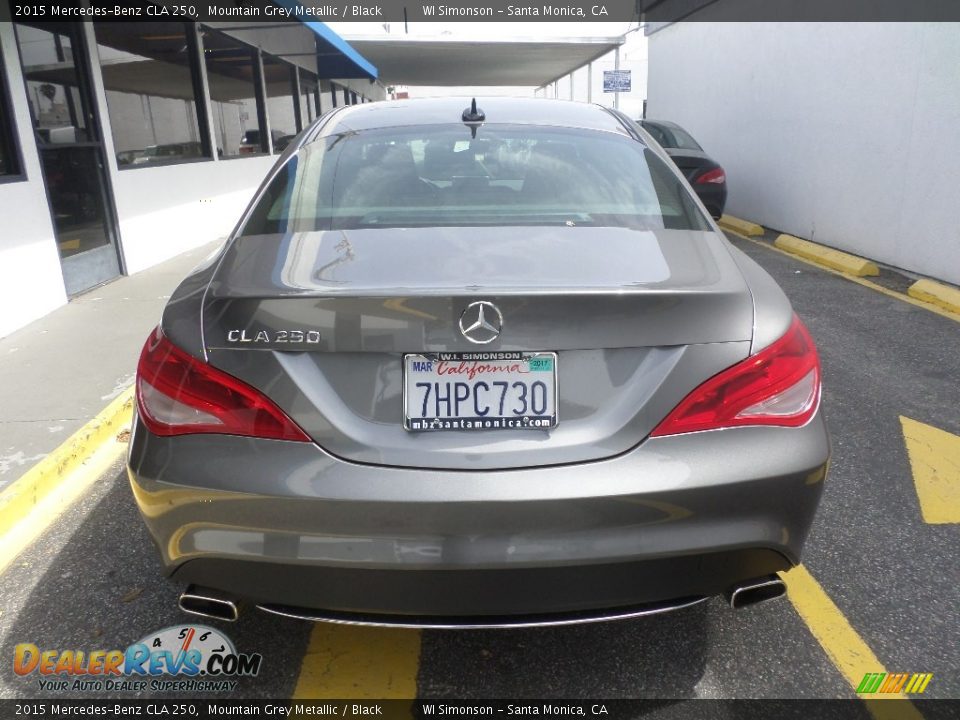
(544, 367)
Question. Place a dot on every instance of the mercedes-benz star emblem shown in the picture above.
(481, 322)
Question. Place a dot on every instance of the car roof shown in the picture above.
(499, 110)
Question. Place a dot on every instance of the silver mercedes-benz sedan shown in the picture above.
(477, 363)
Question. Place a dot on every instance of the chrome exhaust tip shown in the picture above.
(208, 603)
(752, 592)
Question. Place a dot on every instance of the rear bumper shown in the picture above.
(287, 524)
(431, 594)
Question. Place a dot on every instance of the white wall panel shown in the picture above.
(842, 133)
(167, 210)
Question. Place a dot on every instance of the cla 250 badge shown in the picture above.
(309, 337)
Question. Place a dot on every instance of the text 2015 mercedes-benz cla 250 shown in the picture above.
(476, 363)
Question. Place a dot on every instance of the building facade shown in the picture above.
(124, 144)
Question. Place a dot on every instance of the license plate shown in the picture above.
(480, 391)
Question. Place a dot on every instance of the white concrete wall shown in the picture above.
(31, 283)
(170, 209)
(847, 134)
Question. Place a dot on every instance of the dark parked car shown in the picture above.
(280, 143)
(704, 173)
(457, 368)
(160, 153)
(250, 142)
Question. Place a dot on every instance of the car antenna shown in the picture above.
(473, 117)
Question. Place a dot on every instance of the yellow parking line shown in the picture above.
(363, 663)
(845, 648)
(367, 663)
(859, 280)
(935, 463)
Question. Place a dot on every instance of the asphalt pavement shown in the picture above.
(61, 370)
(93, 580)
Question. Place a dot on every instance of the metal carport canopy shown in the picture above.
(306, 43)
(335, 57)
(403, 60)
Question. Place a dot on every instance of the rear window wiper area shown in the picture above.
(477, 216)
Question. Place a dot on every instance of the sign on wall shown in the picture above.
(616, 81)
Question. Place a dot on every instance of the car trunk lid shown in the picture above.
(320, 321)
(692, 163)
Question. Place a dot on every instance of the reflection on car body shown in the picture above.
(708, 179)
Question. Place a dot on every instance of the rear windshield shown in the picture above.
(671, 137)
(439, 175)
(683, 140)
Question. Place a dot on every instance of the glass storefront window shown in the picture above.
(326, 97)
(308, 97)
(9, 157)
(233, 97)
(52, 85)
(151, 94)
(57, 84)
(278, 76)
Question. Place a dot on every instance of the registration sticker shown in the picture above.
(480, 391)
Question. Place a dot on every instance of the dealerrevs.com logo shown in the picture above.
(200, 658)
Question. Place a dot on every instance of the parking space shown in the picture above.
(93, 580)
(890, 572)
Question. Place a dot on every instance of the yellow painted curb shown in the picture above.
(32, 488)
(745, 227)
(936, 293)
(860, 281)
(835, 259)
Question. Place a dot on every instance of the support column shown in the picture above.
(616, 66)
(298, 120)
(201, 84)
(263, 115)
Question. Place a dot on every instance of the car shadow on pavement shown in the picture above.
(660, 656)
(104, 590)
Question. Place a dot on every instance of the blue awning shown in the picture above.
(335, 57)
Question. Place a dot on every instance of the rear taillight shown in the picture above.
(780, 385)
(179, 395)
(716, 176)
